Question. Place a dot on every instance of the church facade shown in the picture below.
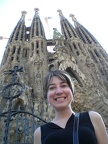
(76, 51)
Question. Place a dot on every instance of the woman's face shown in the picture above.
(59, 94)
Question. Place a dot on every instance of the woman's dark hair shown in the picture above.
(63, 75)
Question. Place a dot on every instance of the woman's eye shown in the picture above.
(51, 88)
(64, 85)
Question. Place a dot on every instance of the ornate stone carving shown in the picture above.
(66, 61)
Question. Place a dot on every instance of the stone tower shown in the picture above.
(76, 51)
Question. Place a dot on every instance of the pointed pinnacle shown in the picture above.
(73, 17)
(23, 13)
(36, 11)
(60, 12)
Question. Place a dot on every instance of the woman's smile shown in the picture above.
(60, 98)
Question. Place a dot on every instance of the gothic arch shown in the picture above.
(74, 75)
(17, 103)
(51, 67)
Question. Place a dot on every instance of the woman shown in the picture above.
(59, 91)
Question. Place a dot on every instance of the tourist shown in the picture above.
(59, 90)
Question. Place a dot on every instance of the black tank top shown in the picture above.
(54, 134)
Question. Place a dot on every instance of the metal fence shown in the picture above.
(18, 125)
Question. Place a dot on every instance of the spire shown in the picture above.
(76, 23)
(83, 33)
(66, 27)
(37, 36)
(60, 14)
(23, 15)
(36, 26)
(36, 12)
(19, 31)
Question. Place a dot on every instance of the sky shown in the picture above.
(92, 14)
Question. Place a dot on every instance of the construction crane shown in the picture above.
(1, 38)
(50, 48)
(48, 28)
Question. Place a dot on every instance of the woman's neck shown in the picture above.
(63, 114)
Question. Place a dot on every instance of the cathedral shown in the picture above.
(26, 56)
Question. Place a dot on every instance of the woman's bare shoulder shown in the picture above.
(38, 130)
(95, 115)
(37, 136)
(99, 127)
(96, 119)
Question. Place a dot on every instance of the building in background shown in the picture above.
(76, 51)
